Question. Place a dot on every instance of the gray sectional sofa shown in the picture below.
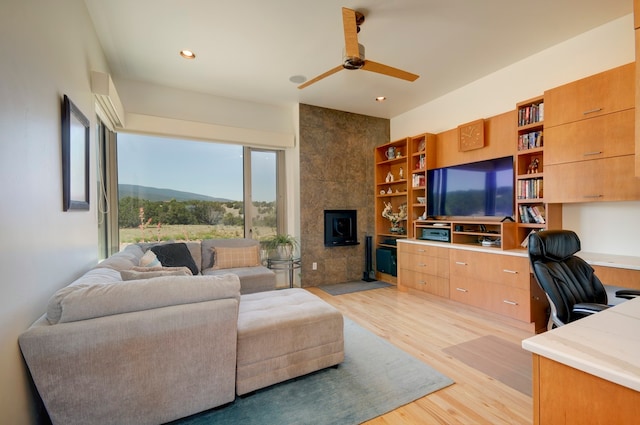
(167, 344)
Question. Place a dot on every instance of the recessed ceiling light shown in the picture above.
(187, 54)
(298, 79)
(380, 99)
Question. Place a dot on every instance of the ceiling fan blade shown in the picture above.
(350, 33)
(388, 70)
(321, 76)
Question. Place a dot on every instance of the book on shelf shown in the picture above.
(531, 114)
(532, 214)
(525, 241)
(530, 140)
(529, 188)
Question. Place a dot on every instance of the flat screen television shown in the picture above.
(477, 189)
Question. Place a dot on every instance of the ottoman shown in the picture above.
(284, 334)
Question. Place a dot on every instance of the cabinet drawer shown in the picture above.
(600, 137)
(599, 94)
(431, 284)
(470, 291)
(502, 269)
(431, 251)
(512, 302)
(609, 179)
(425, 264)
(500, 299)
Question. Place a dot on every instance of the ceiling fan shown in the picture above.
(354, 53)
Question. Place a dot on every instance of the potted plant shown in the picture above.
(281, 246)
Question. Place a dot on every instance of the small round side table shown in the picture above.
(289, 264)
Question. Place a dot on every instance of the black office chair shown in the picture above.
(571, 286)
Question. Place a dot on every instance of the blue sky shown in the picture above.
(212, 169)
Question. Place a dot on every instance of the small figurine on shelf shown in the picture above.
(389, 178)
(395, 218)
(398, 154)
(401, 173)
(533, 166)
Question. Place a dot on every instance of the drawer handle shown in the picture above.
(422, 282)
(510, 271)
(591, 111)
(421, 250)
(461, 263)
(422, 265)
(461, 290)
(592, 196)
(509, 302)
(592, 153)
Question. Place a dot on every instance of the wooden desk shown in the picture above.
(589, 371)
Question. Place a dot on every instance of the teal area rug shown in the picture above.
(375, 378)
(349, 287)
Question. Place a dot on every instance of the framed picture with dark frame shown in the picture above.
(75, 157)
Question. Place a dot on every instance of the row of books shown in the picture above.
(531, 114)
(532, 214)
(419, 180)
(530, 140)
(529, 189)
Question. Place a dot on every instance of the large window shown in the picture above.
(190, 190)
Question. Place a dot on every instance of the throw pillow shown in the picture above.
(149, 259)
(228, 258)
(165, 271)
(175, 255)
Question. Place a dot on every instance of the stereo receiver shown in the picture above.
(440, 235)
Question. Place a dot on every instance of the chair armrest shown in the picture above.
(587, 309)
(628, 293)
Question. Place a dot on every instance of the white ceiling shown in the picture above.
(248, 49)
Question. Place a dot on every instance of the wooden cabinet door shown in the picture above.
(603, 93)
(600, 137)
(609, 179)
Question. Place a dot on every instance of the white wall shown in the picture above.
(48, 49)
(603, 227)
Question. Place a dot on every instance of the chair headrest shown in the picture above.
(554, 245)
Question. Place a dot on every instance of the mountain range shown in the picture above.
(160, 194)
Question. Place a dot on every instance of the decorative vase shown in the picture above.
(284, 252)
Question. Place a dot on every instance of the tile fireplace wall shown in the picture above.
(336, 172)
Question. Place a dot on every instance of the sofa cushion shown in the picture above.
(208, 244)
(149, 259)
(90, 301)
(228, 258)
(127, 258)
(175, 255)
(152, 272)
(97, 276)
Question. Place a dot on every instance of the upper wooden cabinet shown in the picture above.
(601, 137)
(609, 179)
(603, 93)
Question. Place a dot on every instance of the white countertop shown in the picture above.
(606, 344)
(595, 259)
(608, 260)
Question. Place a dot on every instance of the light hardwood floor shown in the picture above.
(423, 325)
